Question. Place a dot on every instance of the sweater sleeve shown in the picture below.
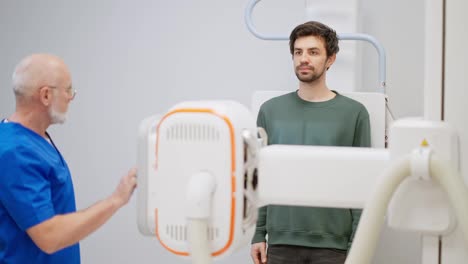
(362, 138)
(355, 215)
(362, 131)
(260, 229)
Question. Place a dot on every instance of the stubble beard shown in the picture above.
(309, 78)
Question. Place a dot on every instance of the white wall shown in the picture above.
(456, 63)
(130, 59)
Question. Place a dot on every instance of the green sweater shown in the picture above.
(290, 120)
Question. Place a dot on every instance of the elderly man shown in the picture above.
(38, 219)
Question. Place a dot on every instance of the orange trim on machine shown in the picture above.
(180, 253)
(233, 177)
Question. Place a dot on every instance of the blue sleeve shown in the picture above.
(25, 188)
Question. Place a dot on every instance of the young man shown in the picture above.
(38, 219)
(312, 115)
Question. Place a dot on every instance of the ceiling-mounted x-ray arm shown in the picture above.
(342, 36)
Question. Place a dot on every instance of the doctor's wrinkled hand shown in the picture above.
(124, 190)
(258, 253)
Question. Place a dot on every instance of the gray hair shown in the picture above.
(33, 72)
(23, 79)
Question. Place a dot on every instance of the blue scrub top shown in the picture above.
(35, 185)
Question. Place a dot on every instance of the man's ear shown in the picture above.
(331, 60)
(45, 95)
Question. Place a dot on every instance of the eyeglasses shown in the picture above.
(71, 92)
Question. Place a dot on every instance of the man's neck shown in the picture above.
(31, 121)
(315, 92)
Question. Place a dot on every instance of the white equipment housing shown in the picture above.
(193, 138)
(309, 175)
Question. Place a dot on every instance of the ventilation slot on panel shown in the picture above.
(212, 233)
(192, 132)
(179, 232)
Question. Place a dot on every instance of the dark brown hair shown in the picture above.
(314, 28)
